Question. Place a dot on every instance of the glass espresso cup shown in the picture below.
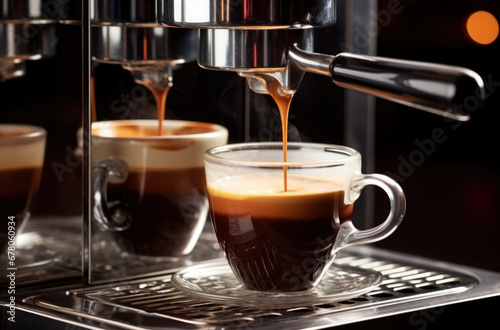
(285, 240)
(22, 152)
(149, 191)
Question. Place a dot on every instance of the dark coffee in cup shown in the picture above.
(20, 186)
(277, 240)
(22, 150)
(164, 192)
(166, 207)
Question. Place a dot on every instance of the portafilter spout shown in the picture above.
(125, 32)
(150, 53)
(257, 55)
(250, 37)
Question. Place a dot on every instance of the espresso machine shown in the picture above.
(218, 59)
(28, 33)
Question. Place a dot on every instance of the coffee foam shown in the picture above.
(21, 146)
(264, 184)
(262, 195)
(175, 149)
(125, 130)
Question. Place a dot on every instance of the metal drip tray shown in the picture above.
(409, 283)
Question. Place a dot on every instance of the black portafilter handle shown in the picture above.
(445, 90)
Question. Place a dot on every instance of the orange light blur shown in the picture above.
(482, 27)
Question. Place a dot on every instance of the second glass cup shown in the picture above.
(148, 189)
(281, 224)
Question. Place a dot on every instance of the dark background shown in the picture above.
(454, 192)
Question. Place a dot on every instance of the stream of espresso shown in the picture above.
(283, 102)
(160, 95)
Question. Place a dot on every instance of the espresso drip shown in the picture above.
(158, 79)
(283, 101)
(160, 95)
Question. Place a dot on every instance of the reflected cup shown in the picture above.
(149, 190)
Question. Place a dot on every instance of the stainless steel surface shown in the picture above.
(27, 32)
(124, 13)
(109, 263)
(249, 50)
(27, 41)
(149, 51)
(24, 41)
(88, 93)
(410, 283)
(261, 56)
(288, 81)
(439, 89)
(31, 10)
(145, 46)
(249, 14)
(48, 249)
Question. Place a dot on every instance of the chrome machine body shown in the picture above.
(253, 38)
(126, 33)
(27, 32)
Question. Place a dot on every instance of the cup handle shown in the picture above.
(349, 235)
(109, 215)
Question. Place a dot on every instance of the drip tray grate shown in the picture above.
(403, 281)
